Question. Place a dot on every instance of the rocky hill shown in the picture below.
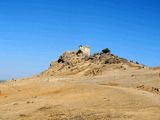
(80, 86)
(76, 62)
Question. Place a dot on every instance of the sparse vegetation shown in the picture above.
(106, 50)
(60, 59)
(79, 52)
(105, 77)
(110, 61)
(134, 62)
(96, 54)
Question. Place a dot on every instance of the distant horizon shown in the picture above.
(33, 33)
(2, 80)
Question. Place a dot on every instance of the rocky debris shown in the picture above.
(72, 62)
(94, 72)
(155, 89)
(140, 86)
(107, 58)
(149, 89)
(72, 58)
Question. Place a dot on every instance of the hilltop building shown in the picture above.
(85, 50)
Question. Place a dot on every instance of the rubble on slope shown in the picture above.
(73, 62)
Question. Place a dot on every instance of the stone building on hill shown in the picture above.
(85, 50)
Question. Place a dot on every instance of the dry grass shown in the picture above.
(114, 95)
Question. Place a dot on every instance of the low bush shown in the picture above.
(79, 51)
(106, 50)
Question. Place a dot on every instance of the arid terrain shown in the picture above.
(94, 88)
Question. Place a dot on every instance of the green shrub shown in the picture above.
(106, 50)
(79, 51)
(60, 60)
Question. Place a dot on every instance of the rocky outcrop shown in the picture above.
(74, 62)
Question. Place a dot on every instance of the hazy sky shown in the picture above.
(35, 32)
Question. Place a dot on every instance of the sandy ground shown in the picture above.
(132, 94)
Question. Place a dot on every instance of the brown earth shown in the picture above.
(113, 94)
(77, 87)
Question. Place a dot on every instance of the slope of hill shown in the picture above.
(80, 87)
(72, 62)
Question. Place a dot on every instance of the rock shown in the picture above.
(155, 89)
(94, 72)
(69, 61)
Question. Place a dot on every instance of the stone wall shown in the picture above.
(85, 50)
